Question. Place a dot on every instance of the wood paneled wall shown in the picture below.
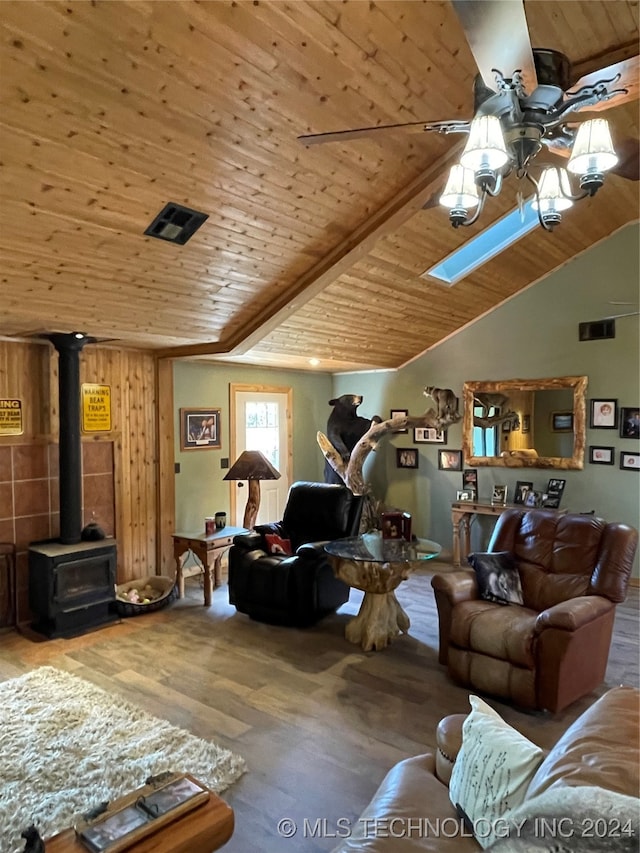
(28, 371)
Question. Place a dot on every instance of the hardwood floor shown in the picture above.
(318, 720)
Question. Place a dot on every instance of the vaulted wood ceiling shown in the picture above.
(109, 110)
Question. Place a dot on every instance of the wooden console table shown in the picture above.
(463, 513)
(202, 830)
(209, 550)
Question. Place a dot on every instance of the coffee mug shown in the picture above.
(221, 520)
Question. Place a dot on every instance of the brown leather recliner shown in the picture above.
(552, 649)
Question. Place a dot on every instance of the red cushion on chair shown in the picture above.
(277, 545)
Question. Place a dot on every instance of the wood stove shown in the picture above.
(71, 582)
(71, 587)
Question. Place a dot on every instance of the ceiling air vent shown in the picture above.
(176, 223)
(597, 331)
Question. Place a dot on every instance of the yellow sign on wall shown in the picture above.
(96, 408)
(11, 417)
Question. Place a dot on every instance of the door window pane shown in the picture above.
(262, 430)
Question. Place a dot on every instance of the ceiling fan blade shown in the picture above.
(434, 199)
(628, 69)
(383, 129)
(498, 36)
(628, 165)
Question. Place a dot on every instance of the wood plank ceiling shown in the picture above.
(111, 110)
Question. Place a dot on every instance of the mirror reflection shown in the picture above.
(525, 423)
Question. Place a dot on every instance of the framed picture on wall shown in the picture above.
(450, 460)
(406, 457)
(630, 422)
(601, 455)
(629, 461)
(399, 413)
(428, 435)
(200, 429)
(603, 414)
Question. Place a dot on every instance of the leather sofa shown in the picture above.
(553, 648)
(300, 588)
(598, 752)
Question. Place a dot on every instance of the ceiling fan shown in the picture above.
(516, 115)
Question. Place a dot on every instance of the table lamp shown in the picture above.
(253, 466)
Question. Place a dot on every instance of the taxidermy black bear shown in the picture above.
(345, 428)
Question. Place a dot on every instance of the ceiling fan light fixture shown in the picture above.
(485, 148)
(593, 152)
(553, 195)
(461, 192)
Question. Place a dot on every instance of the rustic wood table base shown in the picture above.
(381, 618)
(379, 621)
(378, 566)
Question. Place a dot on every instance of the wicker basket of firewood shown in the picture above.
(145, 595)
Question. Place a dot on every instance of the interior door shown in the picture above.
(261, 418)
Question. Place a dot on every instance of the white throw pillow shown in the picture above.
(492, 771)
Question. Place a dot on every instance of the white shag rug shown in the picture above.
(67, 745)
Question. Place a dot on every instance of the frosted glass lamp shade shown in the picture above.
(485, 148)
(593, 150)
(461, 191)
(553, 191)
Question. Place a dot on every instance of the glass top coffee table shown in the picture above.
(378, 566)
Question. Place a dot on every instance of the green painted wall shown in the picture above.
(200, 489)
(533, 335)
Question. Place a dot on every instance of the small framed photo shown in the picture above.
(556, 486)
(506, 426)
(499, 496)
(522, 487)
(601, 455)
(399, 413)
(630, 422)
(465, 495)
(562, 421)
(629, 461)
(550, 500)
(200, 429)
(533, 498)
(406, 457)
(450, 460)
(428, 435)
(526, 424)
(603, 414)
(470, 479)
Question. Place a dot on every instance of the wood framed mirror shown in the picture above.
(525, 423)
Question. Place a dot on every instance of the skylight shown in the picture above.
(486, 245)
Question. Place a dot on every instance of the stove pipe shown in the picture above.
(70, 446)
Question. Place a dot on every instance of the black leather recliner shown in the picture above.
(300, 589)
